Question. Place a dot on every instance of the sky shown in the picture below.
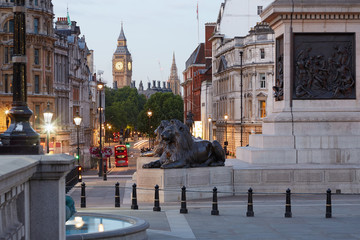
(154, 31)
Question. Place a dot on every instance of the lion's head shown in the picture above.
(178, 133)
(160, 129)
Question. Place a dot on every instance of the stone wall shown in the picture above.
(32, 196)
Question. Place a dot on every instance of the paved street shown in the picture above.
(308, 210)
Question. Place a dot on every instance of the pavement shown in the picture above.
(307, 222)
(308, 214)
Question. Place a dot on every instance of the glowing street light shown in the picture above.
(149, 113)
(77, 120)
(209, 120)
(48, 126)
(100, 87)
(7, 118)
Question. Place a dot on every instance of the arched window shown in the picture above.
(9, 26)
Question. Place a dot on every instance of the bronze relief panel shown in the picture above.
(324, 66)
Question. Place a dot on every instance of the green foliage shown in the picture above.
(164, 106)
(122, 107)
(126, 108)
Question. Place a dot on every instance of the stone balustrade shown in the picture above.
(32, 196)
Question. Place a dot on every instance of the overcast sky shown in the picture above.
(154, 30)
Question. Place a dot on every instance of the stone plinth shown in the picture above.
(199, 182)
(314, 118)
(300, 178)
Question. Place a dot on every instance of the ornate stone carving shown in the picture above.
(279, 81)
(181, 150)
(324, 66)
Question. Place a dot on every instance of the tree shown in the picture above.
(164, 106)
(122, 107)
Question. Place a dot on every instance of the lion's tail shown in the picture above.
(219, 151)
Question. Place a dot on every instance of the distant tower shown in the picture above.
(121, 63)
(174, 78)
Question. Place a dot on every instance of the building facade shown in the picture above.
(121, 63)
(244, 105)
(197, 70)
(40, 61)
(75, 91)
(174, 80)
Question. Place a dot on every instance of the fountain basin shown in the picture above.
(105, 226)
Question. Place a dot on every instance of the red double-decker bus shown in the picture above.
(121, 157)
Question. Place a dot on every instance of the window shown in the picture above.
(48, 58)
(37, 84)
(36, 57)
(262, 53)
(36, 2)
(262, 80)
(9, 26)
(48, 84)
(8, 53)
(36, 25)
(37, 116)
(259, 10)
(76, 94)
(6, 83)
(262, 109)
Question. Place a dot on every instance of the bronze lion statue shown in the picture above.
(181, 150)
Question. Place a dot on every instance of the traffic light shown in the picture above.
(127, 144)
(79, 174)
(76, 157)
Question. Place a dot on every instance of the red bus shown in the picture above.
(121, 158)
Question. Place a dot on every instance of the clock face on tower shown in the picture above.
(119, 65)
(129, 66)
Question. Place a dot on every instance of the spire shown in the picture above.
(173, 63)
(68, 16)
(122, 35)
(173, 66)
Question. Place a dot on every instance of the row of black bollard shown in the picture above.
(214, 211)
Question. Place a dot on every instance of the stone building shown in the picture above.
(40, 61)
(75, 90)
(121, 63)
(174, 78)
(152, 89)
(249, 102)
(195, 73)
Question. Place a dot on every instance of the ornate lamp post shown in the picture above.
(77, 120)
(47, 118)
(149, 113)
(20, 137)
(209, 121)
(7, 118)
(226, 141)
(241, 98)
(109, 127)
(100, 87)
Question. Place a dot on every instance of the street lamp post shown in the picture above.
(226, 141)
(109, 127)
(149, 113)
(20, 137)
(47, 118)
(100, 87)
(209, 120)
(7, 118)
(241, 99)
(77, 120)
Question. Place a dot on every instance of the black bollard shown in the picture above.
(328, 204)
(250, 211)
(214, 210)
(134, 199)
(288, 213)
(156, 207)
(183, 208)
(83, 197)
(117, 195)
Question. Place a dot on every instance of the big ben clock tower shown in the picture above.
(121, 63)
